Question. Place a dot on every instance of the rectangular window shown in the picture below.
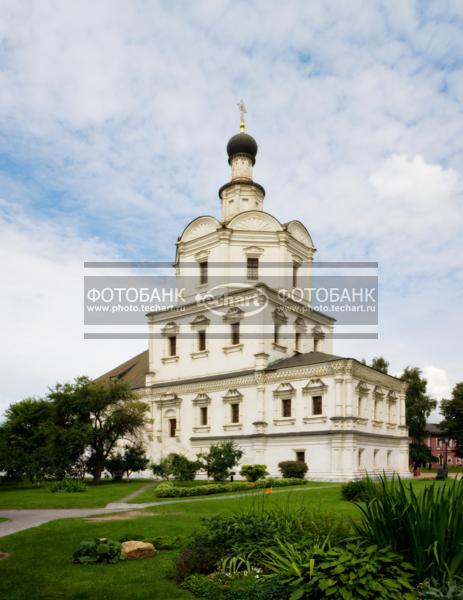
(235, 413)
(172, 427)
(286, 407)
(360, 406)
(317, 405)
(276, 333)
(201, 340)
(295, 273)
(253, 268)
(235, 333)
(297, 341)
(377, 410)
(375, 458)
(389, 458)
(360, 457)
(203, 272)
(203, 411)
(300, 456)
(173, 345)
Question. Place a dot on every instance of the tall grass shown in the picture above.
(425, 526)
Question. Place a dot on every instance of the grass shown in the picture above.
(45, 552)
(25, 495)
(3, 519)
(149, 495)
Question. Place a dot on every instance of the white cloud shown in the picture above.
(439, 388)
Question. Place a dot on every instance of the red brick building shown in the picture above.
(439, 447)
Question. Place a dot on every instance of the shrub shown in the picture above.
(248, 534)
(170, 491)
(425, 527)
(355, 491)
(343, 573)
(241, 587)
(67, 486)
(293, 468)
(253, 472)
(182, 468)
(133, 459)
(220, 459)
(97, 551)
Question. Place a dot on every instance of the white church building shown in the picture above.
(240, 361)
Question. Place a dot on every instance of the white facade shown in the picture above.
(255, 367)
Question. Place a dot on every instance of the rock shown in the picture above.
(133, 550)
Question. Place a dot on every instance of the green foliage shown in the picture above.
(253, 472)
(418, 404)
(99, 550)
(162, 468)
(131, 460)
(355, 490)
(421, 454)
(432, 590)
(344, 573)
(249, 534)
(220, 459)
(182, 468)
(426, 528)
(380, 364)
(293, 468)
(170, 491)
(452, 411)
(239, 587)
(68, 486)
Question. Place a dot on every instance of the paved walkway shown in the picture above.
(25, 519)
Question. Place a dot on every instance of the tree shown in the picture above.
(253, 472)
(111, 412)
(421, 454)
(220, 459)
(452, 411)
(124, 463)
(418, 404)
(380, 364)
(182, 468)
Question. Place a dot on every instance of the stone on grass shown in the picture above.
(134, 549)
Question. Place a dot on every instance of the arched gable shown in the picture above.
(300, 233)
(199, 227)
(255, 220)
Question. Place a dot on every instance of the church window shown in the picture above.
(201, 340)
(235, 333)
(360, 406)
(389, 458)
(203, 274)
(375, 457)
(300, 456)
(276, 333)
(360, 457)
(172, 427)
(235, 413)
(317, 405)
(297, 341)
(172, 345)
(203, 414)
(252, 268)
(316, 344)
(286, 407)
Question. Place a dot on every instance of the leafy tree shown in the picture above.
(182, 468)
(124, 463)
(162, 469)
(421, 453)
(220, 459)
(418, 404)
(380, 364)
(452, 411)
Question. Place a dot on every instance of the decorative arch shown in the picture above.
(300, 233)
(199, 227)
(255, 220)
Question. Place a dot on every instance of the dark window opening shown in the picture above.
(203, 410)
(276, 333)
(235, 333)
(295, 273)
(300, 456)
(203, 272)
(201, 340)
(172, 427)
(317, 405)
(173, 346)
(297, 341)
(253, 268)
(235, 413)
(286, 407)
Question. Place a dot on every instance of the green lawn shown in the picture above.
(45, 552)
(28, 496)
(149, 495)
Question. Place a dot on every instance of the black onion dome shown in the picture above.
(242, 143)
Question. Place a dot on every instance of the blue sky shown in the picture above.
(114, 118)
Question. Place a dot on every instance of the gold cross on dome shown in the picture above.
(243, 111)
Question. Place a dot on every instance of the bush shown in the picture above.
(426, 528)
(67, 486)
(355, 491)
(182, 468)
(250, 533)
(253, 472)
(98, 550)
(133, 459)
(349, 572)
(220, 459)
(293, 468)
(240, 587)
(170, 491)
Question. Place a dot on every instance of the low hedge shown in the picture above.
(164, 491)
